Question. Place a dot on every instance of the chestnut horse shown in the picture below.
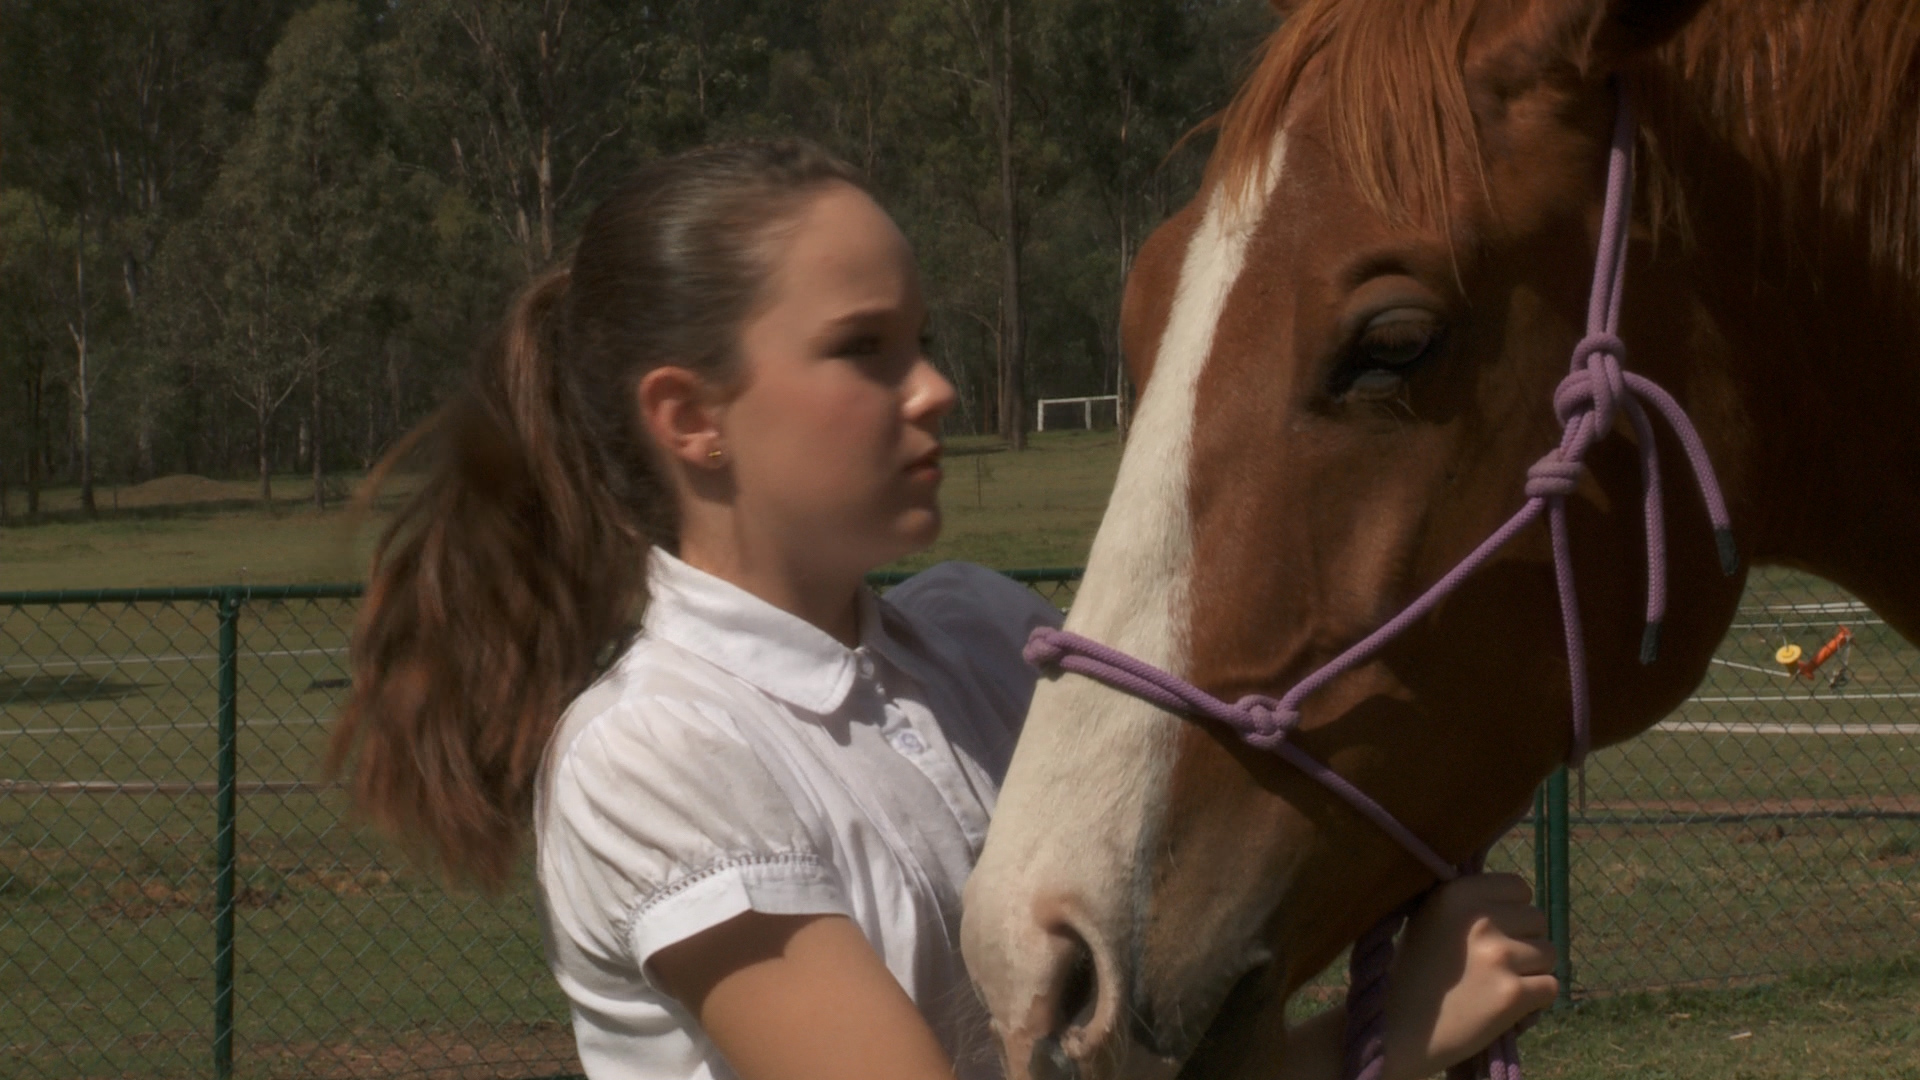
(1349, 344)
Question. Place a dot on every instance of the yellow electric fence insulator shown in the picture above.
(1788, 655)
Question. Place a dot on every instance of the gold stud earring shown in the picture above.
(716, 455)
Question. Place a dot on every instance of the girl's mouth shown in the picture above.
(927, 465)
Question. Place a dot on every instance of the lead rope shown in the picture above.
(1595, 392)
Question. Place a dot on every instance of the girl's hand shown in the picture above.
(1475, 960)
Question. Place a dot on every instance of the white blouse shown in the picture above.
(737, 758)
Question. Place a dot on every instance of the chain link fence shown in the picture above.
(181, 897)
(1769, 825)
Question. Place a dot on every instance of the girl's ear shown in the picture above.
(682, 416)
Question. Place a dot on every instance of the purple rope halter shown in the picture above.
(1595, 392)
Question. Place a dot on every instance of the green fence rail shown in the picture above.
(180, 896)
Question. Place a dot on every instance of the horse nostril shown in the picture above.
(1079, 992)
(1076, 1006)
(1062, 985)
(1050, 1061)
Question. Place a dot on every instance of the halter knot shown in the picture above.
(1597, 383)
(1268, 721)
(1553, 477)
(1044, 651)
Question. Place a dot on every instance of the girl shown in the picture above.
(652, 512)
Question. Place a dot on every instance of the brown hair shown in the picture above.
(503, 586)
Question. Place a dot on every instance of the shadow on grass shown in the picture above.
(64, 689)
(195, 511)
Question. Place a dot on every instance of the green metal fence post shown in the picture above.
(1558, 881)
(1541, 889)
(224, 855)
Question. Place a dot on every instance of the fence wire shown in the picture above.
(1772, 823)
(346, 960)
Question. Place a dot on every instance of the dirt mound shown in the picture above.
(181, 488)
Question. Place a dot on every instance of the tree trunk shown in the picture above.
(543, 167)
(143, 441)
(397, 357)
(314, 444)
(370, 437)
(1012, 411)
(261, 415)
(36, 436)
(83, 378)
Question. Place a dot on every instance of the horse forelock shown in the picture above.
(1396, 97)
(1823, 99)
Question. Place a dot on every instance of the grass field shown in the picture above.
(1727, 848)
(1037, 508)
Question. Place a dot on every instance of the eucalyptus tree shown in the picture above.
(281, 263)
(523, 103)
(28, 343)
(113, 113)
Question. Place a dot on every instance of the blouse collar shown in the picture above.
(773, 650)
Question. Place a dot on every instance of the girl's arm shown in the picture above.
(806, 998)
(800, 997)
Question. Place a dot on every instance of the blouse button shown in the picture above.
(907, 742)
(864, 665)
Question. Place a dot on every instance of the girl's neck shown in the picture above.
(827, 600)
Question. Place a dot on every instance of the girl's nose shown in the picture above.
(930, 395)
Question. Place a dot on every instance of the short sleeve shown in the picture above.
(660, 821)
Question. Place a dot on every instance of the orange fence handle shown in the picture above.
(1808, 667)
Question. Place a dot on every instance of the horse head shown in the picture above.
(1349, 345)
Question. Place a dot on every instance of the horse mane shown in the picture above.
(1822, 97)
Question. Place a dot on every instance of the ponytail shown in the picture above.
(506, 580)
(493, 595)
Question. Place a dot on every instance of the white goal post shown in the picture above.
(1086, 404)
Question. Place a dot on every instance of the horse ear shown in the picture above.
(1594, 37)
(1630, 27)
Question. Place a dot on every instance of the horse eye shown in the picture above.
(1396, 340)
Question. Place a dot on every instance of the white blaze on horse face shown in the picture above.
(1087, 786)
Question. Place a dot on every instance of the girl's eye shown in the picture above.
(861, 346)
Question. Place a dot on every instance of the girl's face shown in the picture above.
(834, 437)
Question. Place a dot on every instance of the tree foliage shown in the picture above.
(248, 238)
